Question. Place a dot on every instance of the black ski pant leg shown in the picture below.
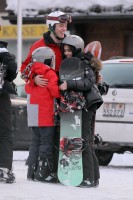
(56, 140)
(42, 144)
(95, 160)
(6, 138)
(46, 142)
(56, 149)
(96, 167)
(88, 164)
(34, 147)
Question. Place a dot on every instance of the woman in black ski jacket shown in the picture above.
(8, 72)
(73, 45)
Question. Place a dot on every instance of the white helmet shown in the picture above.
(74, 41)
(57, 17)
(44, 55)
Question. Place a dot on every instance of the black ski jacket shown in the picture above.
(88, 86)
(10, 72)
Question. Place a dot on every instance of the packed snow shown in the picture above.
(115, 183)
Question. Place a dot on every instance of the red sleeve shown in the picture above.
(53, 84)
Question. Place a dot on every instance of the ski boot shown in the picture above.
(87, 184)
(43, 169)
(6, 175)
(96, 182)
(52, 178)
(31, 172)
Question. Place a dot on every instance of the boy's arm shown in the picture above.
(53, 85)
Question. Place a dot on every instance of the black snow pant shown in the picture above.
(42, 144)
(56, 149)
(6, 138)
(90, 162)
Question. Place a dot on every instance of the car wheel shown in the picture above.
(104, 157)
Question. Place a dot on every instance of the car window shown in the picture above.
(118, 74)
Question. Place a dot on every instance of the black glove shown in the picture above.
(97, 140)
(85, 57)
(103, 88)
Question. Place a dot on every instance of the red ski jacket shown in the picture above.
(46, 41)
(40, 100)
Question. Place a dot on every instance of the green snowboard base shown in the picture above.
(70, 170)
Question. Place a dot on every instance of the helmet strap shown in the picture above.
(57, 37)
(52, 29)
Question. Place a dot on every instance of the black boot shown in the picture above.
(44, 169)
(31, 172)
(7, 176)
(52, 178)
(87, 184)
(96, 183)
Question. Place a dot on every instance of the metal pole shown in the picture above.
(19, 31)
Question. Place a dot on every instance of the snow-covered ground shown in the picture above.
(115, 183)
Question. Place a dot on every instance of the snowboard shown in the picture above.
(70, 170)
(95, 48)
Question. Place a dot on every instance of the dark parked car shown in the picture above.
(20, 130)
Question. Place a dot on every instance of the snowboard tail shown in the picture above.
(95, 48)
(70, 171)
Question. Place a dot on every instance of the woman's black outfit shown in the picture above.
(94, 100)
(8, 72)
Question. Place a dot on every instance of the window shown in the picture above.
(118, 74)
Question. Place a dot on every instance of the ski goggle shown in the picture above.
(62, 18)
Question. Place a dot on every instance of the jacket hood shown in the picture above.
(40, 68)
(96, 64)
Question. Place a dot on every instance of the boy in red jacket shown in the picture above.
(40, 109)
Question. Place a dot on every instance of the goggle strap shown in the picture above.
(61, 18)
(52, 18)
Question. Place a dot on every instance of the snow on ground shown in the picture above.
(115, 183)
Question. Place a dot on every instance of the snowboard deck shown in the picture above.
(70, 170)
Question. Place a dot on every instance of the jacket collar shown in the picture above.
(48, 39)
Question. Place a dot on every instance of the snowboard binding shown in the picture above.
(69, 145)
(71, 101)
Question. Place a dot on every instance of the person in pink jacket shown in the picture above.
(40, 110)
